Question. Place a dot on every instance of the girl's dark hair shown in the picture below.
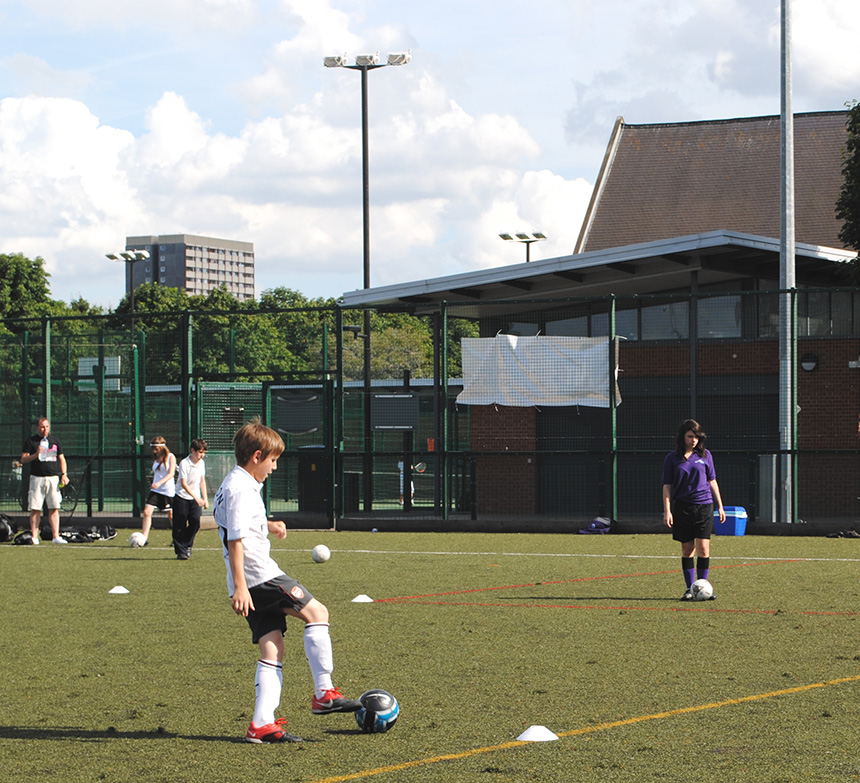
(690, 425)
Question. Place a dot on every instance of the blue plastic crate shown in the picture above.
(735, 524)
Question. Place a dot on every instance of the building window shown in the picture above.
(719, 316)
(665, 321)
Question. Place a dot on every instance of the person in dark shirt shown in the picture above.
(43, 452)
(689, 492)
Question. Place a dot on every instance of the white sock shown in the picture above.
(319, 655)
(268, 684)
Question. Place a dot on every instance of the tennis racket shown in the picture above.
(420, 467)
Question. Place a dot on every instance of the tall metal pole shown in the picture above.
(365, 63)
(787, 321)
(365, 202)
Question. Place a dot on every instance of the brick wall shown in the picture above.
(829, 416)
(507, 484)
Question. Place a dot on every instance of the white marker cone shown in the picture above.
(362, 599)
(118, 590)
(537, 734)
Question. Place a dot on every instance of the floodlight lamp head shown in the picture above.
(507, 237)
(127, 256)
(367, 59)
(399, 58)
(335, 61)
(113, 256)
(538, 235)
(523, 236)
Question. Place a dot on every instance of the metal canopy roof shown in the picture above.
(646, 268)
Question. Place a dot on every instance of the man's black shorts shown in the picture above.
(270, 599)
(692, 520)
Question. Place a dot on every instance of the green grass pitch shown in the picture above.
(478, 636)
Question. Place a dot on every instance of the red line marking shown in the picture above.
(412, 598)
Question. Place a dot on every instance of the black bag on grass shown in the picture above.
(77, 535)
(7, 528)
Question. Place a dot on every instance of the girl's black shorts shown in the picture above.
(692, 520)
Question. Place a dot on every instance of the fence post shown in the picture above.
(26, 407)
(187, 381)
(613, 414)
(99, 371)
(137, 436)
(46, 366)
(337, 419)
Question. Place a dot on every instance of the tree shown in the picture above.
(24, 290)
(848, 203)
(399, 342)
(299, 324)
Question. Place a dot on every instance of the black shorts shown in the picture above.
(692, 520)
(270, 600)
(161, 502)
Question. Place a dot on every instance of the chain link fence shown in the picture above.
(522, 412)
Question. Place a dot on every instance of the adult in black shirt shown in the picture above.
(43, 452)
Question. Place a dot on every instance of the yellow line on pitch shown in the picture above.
(585, 730)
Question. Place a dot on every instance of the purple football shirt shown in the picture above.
(689, 478)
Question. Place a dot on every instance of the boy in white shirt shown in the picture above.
(190, 499)
(262, 593)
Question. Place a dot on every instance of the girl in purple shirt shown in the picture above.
(689, 493)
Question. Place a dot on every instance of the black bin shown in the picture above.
(315, 479)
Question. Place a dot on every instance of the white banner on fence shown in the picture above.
(524, 371)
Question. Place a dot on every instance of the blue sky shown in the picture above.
(216, 117)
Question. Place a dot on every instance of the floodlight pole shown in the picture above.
(363, 65)
(365, 206)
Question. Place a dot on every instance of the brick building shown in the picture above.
(678, 259)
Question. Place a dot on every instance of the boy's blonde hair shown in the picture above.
(256, 436)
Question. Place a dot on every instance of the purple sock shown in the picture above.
(702, 566)
(688, 569)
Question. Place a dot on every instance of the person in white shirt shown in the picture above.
(263, 594)
(163, 486)
(190, 499)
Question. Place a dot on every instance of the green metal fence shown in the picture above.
(405, 445)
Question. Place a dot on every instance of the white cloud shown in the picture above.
(63, 191)
(237, 130)
(34, 76)
(834, 66)
(290, 185)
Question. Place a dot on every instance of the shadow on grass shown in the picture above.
(110, 733)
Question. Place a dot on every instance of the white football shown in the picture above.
(320, 553)
(702, 590)
(137, 539)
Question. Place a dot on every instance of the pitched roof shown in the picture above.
(676, 179)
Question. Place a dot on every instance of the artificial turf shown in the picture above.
(478, 636)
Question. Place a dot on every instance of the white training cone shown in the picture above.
(362, 599)
(537, 734)
(118, 590)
